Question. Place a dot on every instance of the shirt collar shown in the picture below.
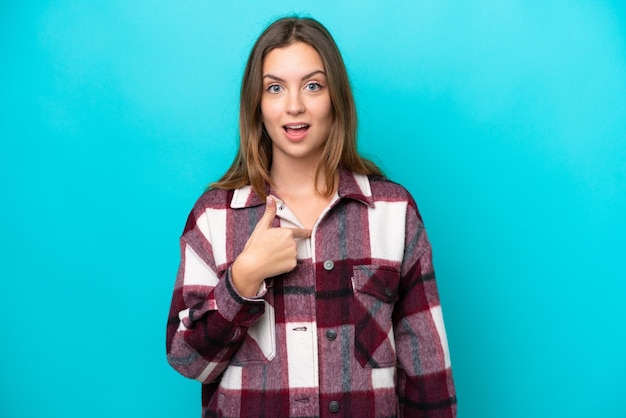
(351, 186)
(244, 197)
(355, 186)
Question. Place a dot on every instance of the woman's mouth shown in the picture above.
(296, 131)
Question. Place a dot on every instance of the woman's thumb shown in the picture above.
(270, 212)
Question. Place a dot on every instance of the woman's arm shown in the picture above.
(212, 310)
(208, 319)
(425, 385)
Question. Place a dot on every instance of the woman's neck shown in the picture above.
(301, 191)
(296, 181)
(291, 174)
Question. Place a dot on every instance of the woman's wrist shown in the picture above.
(245, 277)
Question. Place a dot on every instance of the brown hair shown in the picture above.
(254, 158)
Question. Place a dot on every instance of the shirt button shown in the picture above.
(331, 334)
(333, 406)
(388, 292)
(254, 310)
(329, 265)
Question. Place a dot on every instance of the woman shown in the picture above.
(306, 285)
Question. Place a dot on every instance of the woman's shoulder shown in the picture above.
(226, 199)
(391, 192)
(386, 189)
(214, 199)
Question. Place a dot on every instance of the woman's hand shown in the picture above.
(268, 252)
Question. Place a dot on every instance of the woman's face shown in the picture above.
(295, 104)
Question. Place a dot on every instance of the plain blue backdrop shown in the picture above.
(506, 120)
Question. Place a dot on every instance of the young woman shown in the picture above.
(306, 287)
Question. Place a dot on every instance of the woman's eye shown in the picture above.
(313, 86)
(274, 88)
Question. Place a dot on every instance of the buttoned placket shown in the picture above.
(328, 265)
(306, 249)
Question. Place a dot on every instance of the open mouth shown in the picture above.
(296, 129)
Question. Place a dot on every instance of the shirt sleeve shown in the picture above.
(208, 319)
(424, 382)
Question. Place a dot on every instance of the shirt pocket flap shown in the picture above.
(378, 281)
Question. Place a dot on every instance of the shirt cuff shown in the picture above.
(235, 308)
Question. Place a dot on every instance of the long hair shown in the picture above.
(252, 163)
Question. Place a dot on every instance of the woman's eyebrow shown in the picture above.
(311, 74)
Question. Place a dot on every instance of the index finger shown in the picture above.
(301, 233)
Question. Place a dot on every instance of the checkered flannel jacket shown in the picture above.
(356, 330)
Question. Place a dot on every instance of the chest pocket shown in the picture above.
(375, 292)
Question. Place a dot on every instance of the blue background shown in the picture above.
(505, 119)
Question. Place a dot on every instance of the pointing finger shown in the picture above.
(301, 233)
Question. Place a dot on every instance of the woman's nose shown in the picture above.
(295, 105)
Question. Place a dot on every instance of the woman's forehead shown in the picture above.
(295, 60)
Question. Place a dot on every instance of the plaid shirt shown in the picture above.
(356, 330)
